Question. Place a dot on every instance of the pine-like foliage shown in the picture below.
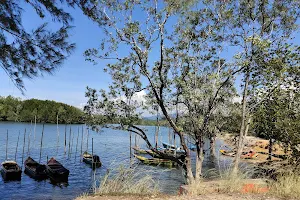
(30, 54)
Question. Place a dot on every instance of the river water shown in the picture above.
(111, 145)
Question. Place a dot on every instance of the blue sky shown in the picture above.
(69, 82)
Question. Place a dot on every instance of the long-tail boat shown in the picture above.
(92, 160)
(10, 170)
(155, 161)
(56, 171)
(34, 169)
(170, 146)
(138, 150)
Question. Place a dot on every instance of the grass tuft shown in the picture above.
(286, 186)
(127, 181)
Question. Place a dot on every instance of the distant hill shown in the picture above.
(15, 109)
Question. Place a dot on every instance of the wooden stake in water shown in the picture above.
(87, 140)
(34, 130)
(57, 145)
(130, 145)
(65, 138)
(135, 140)
(69, 141)
(6, 144)
(29, 135)
(23, 148)
(17, 146)
(81, 140)
(41, 143)
(72, 142)
(169, 135)
(77, 143)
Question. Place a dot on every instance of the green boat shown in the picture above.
(155, 161)
(138, 150)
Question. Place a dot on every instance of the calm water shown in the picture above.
(111, 145)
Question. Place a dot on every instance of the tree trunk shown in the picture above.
(243, 128)
(212, 146)
(199, 159)
(270, 149)
(188, 168)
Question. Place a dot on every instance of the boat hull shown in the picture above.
(11, 175)
(91, 163)
(57, 177)
(33, 174)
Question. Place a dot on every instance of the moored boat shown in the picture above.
(155, 161)
(92, 160)
(10, 170)
(34, 169)
(138, 150)
(56, 171)
(170, 146)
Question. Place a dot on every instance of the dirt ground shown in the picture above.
(260, 146)
(183, 197)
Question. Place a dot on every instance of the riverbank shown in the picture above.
(258, 145)
(183, 197)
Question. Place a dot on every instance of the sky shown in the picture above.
(68, 84)
(69, 81)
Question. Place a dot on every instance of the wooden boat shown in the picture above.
(249, 155)
(170, 152)
(34, 169)
(138, 150)
(56, 171)
(92, 160)
(170, 146)
(155, 161)
(227, 153)
(10, 170)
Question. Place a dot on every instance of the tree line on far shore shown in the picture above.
(43, 111)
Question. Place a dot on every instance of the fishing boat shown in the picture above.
(170, 152)
(170, 146)
(155, 161)
(56, 171)
(92, 160)
(10, 170)
(138, 150)
(34, 169)
(227, 153)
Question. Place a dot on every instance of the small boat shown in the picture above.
(155, 161)
(138, 150)
(10, 170)
(249, 155)
(92, 160)
(170, 152)
(56, 171)
(170, 146)
(227, 153)
(34, 169)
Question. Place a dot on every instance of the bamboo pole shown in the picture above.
(57, 145)
(17, 146)
(23, 148)
(29, 135)
(41, 143)
(6, 144)
(87, 140)
(81, 140)
(72, 142)
(34, 135)
(169, 135)
(130, 145)
(69, 141)
(65, 139)
(77, 143)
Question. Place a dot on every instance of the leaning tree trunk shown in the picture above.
(243, 126)
(212, 142)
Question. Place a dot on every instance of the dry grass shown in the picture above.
(127, 181)
(287, 186)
